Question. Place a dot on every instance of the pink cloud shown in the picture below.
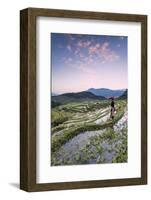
(102, 52)
(79, 44)
(92, 50)
(83, 44)
(107, 54)
(104, 47)
(98, 45)
(86, 44)
(111, 57)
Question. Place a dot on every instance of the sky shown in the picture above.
(80, 62)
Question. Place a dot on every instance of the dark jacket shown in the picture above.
(112, 104)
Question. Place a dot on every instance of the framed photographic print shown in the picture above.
(83, 99)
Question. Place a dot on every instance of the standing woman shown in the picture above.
(112, 108)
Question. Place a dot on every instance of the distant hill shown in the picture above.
(124, 95)
(105, 92)
(75, 97)
(54, 94)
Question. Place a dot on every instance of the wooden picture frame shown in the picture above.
(28, 98)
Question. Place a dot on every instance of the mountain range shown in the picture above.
(74, 97)
(89, 95)
(124, 95)
(105, 92)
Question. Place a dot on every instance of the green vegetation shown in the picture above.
(58, 117)
(121, 149)
(72, 119)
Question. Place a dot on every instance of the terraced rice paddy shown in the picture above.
(83, 133)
